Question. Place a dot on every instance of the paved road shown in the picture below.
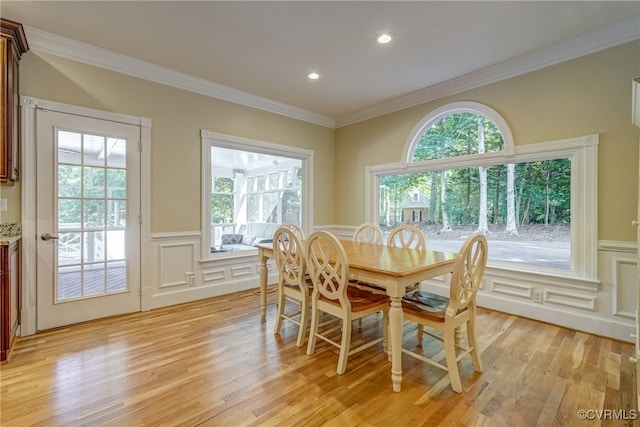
(544, 254)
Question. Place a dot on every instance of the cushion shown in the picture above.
(248, 239)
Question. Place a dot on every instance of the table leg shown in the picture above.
(395, 332)
(263, 284)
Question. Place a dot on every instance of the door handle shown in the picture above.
(46, 237)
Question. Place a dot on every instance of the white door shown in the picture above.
(88, 230)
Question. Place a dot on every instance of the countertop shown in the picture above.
(9, 233)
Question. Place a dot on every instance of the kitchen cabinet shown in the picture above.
(10, 296)
(13, 44)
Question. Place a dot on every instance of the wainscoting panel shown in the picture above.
(178, 273)
(604, 307)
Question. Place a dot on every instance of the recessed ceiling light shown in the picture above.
(313, 76)
(384, 38)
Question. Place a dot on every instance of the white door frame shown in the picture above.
(28, 183)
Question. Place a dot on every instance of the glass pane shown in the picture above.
(458, 134)
(117, 213)
(94, 213)
(222, 185)
(116, 276)
(222, 208)
(93, 246)
(291, 207)
(528, 209)
(94, 185)
(117, 183)
(69, 181)
(116, 244)
(260, 183)
(253, 207)
(94, 279)
(69, 248)
(269, 207)
(69, 147)
(69, 214)
(116, 153)
(274, 181)
(94, 150)
(251, 184)
(69, 283)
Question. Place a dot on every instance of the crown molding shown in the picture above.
(81, 52)
(609, 37)
(88, 54)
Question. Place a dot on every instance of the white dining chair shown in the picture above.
(438, 313)
(368, 232)
(293, 283)
(407, 236)
(295, 227)
(328, 267)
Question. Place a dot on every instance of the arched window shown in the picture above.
(534, 203)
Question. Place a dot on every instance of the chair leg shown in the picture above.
(311, 346)
(420, 334)
(473, 342)
(304, 320)
(279, 312)
(344, 346)
(385, 333)
(452, 363)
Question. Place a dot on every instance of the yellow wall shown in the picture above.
(588, 95)
(177, 118)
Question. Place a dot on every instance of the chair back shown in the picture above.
(290, 258)
(407, 236)
(368, 232)
(295, 228)
(328, 267)
(467, 274)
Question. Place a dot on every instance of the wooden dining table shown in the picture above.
(390, 267)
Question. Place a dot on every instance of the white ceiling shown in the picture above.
(259, 53)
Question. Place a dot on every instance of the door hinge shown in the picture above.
(140, 146)
(139, 218)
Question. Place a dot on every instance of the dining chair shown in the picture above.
(328, 267)
(368, 232)
(293, 283)
(448, 314)
(296, 229)
(407, 236)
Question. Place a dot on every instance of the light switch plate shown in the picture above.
(3, 204)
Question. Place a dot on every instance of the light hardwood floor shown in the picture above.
(217, 363)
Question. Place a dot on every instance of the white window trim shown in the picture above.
(210, 138)
(583, 152)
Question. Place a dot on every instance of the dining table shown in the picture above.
(393, 268)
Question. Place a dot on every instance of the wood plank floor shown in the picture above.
(216, 362)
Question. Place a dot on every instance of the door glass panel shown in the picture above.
(94, 185)
(117, 183)
(69, 248)
(116, 279)
(94, 279)
(116, 153)
(94, 150)
(69, 184)
(92, 212)
(117, 213)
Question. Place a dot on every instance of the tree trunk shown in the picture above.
(443, 198)
(483, 228)
(433, 200)
(512, 227)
